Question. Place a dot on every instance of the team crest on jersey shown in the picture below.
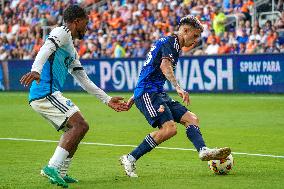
(69, 103)
(161, 109)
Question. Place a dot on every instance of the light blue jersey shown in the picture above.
(57, 66)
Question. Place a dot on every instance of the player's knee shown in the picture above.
(195, 120)
(190, 119)
(172, 130)
(83, 126)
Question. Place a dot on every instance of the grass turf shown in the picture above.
(247, 123)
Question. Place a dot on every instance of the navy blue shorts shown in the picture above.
(159, 108)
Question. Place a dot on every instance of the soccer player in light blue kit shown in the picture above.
(158, 108)
(56, 58)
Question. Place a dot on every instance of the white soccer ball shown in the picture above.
(221, 167)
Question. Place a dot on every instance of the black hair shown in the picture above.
(73, 12)
(191, 21)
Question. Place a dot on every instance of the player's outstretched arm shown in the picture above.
(116, 103)
(168, 71)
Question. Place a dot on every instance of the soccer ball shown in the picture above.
(221, 167)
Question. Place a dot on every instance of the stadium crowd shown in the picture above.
(127, 28)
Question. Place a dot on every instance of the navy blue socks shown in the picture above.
(194, 135)
(146, 146)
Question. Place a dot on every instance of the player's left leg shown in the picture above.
(63, 115)
(191, 122)
(67, 163)
(158, 114)
(77, 128)
(165, 132)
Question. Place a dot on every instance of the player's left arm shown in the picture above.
(168, 71)
(78, 72)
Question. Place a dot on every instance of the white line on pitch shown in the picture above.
(127, 145)
(249, 96)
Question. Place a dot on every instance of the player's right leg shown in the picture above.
(64, 116)
(158, 115)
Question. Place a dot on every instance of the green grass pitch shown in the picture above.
(251, 124)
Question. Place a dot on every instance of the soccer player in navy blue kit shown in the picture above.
(158, 108)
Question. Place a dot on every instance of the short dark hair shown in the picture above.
(192, 21)
(73, 12)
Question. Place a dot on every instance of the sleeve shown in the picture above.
(42, 56)
(76, 64)
(58, 37)
(167, 52)
(78, 72)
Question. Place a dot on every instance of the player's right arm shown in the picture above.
(57, 38)
(168, 71)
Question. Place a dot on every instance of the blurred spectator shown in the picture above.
(219, 22)
(243, 38)
(248, 27)
(271, 38)
(242, 49)
(228, 6)
(4, 80)
(255, 35)
(212, 37)
(263, 36)
(212, 48)
(224, 48)
(272, 48)
(119, 51)
(280, 22)
(234, 48)
(252, 46)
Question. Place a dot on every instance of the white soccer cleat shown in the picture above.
(206, 154)
(129, 167)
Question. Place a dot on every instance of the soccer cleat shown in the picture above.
(206, 154)
(129, 167)
(54, 176)
(69, 179)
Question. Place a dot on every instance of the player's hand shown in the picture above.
(184, 95)
(28, 78)
(130, 102)
(118, 104)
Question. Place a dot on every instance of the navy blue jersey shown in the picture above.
(151, 78)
